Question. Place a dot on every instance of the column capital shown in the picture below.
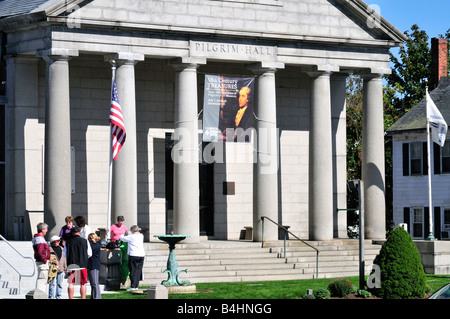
(55, 54)
(374, 73)
(183, 63)
(124, 58)
(265, 67)
(320, 70)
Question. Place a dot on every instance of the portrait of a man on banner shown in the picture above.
(228, 108)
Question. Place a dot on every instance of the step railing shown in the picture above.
(14, 268)
(286, 231)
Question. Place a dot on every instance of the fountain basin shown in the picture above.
(172, 271)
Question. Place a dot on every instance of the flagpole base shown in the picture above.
(431, 237)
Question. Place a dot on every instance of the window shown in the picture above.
(416, 158)
(447, 218)
(417, 226)
(441, 159)
(415, 162)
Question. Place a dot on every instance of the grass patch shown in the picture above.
(290, 289)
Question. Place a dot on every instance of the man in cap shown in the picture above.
(42, 257)
(57, 268)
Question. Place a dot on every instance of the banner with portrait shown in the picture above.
(228, 108)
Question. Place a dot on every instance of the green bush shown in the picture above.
(401, 270)
(322, 293)
(364, 293)
(341, 287)
(306, 296)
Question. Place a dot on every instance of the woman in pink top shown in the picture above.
(118, 229)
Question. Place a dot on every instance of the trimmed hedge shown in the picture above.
(401, 270)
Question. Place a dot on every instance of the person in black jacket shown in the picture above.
(77, 252)
(94, 266)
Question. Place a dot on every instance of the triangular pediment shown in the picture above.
(343, 21)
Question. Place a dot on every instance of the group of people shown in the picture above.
(75, 254)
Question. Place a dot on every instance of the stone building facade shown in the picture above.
(58, 63)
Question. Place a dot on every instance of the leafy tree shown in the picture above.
(354, 101)
(409, 71)
(354, 126)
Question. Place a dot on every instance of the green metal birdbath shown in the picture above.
(172, 263)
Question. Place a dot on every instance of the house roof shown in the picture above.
(415, 119)
(18, 7)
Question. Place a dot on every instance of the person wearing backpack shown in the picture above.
(57, 269)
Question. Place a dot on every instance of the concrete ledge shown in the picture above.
(435, 256)
(182, 289)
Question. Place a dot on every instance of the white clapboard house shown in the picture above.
(410, 164)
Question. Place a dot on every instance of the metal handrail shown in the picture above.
(286, 231)
(14, 268)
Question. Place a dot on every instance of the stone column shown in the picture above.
(373, 166)
(186, 211)
(265, 169)
(124, 173)
(320, 158)
(339, 141)
(57, 160)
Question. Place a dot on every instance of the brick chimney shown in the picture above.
(439, 61)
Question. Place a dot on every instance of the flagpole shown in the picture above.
(108, 220)
(430, 210)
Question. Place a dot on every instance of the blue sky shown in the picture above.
(432, 16)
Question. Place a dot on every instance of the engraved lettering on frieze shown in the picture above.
(240, 51)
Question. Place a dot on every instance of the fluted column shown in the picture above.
(124, 173)
(320, 158)
(265, 171)
(373, 165)
(186, 214)
(57, 167)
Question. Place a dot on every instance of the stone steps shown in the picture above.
(217, 261)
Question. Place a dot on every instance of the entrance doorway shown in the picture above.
(206, 191)
(206, 181)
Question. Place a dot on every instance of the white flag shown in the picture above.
(437, 122)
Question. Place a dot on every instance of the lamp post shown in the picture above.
(359, 186)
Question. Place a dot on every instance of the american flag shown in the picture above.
(117, 124)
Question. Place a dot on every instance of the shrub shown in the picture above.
(401, 270)
(322, 294)
(306, 296)
(341, 287)
(364, 293)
